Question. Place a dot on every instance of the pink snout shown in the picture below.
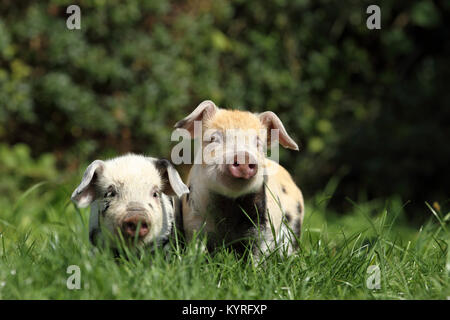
(242, 170)
(132, 223)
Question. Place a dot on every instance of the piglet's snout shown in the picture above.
(243, 167)
(131, 224)
(134, 220)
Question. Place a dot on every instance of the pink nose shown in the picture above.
(131, 224)
(242, 170)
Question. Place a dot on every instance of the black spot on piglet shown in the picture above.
(299, 207)
(297, 227)
(288, 216)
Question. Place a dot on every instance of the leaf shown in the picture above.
(425, 14)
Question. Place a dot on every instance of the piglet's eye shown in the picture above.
(216, 137)
(111, 192)
(155, 194)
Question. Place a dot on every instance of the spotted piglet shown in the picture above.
(239, 197)
(131, 195)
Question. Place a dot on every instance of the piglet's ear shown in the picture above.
(173, 184)
(271, 121)
(84, 194)
(204, 111)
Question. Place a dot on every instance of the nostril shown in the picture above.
(236, 164)
(130, 226)
(252, 166)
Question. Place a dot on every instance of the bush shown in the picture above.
(366, 105)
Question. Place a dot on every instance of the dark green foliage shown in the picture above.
(370, 105)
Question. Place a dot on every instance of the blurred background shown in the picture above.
(369, 108)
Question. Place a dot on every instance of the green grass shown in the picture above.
(42, 234)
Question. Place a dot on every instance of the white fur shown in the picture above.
(135, 178)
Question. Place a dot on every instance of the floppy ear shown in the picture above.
(84, 194)
(204, 110)
(175, 185)
(271, 121)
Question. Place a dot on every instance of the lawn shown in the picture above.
(42, 234)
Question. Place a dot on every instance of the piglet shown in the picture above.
(131, 195)
(238, 196)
